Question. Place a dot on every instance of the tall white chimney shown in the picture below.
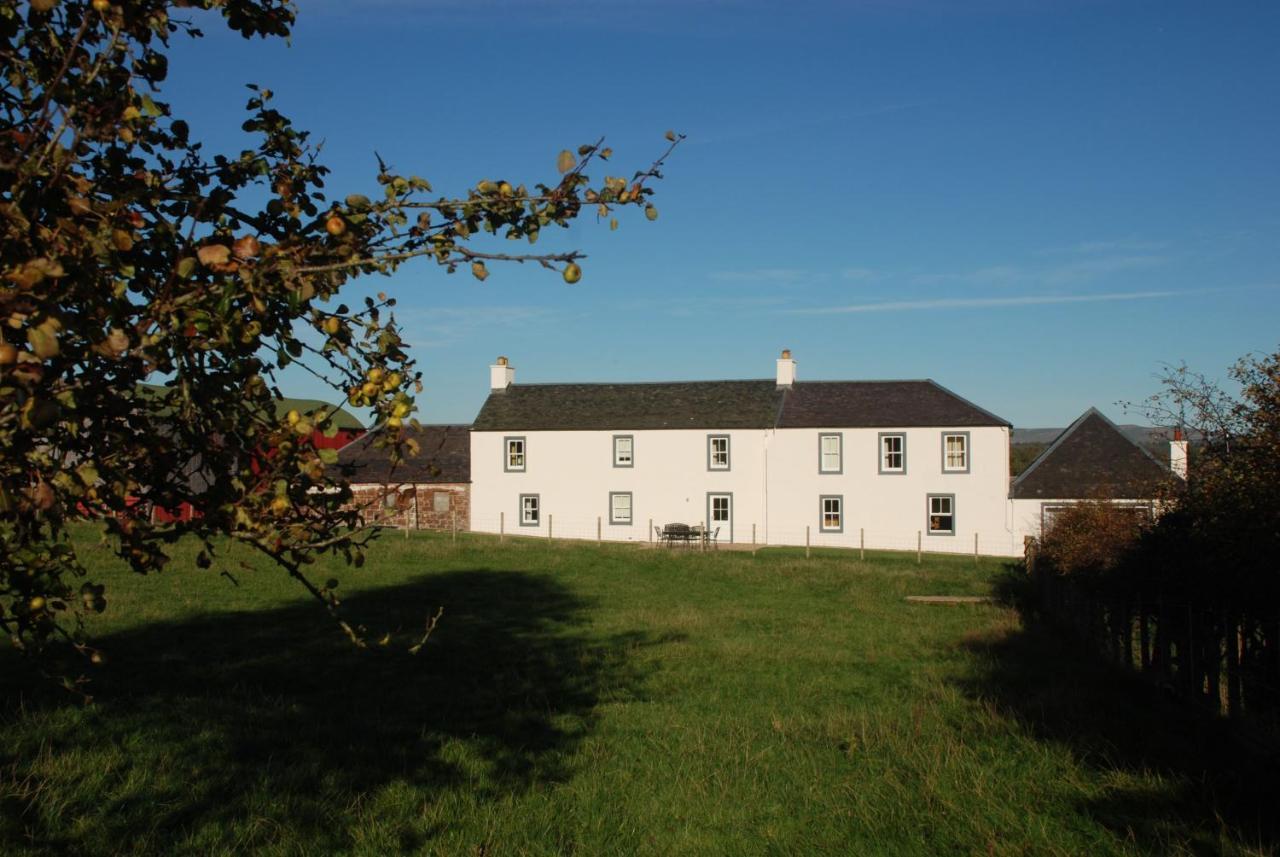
(786, 369)
(501, 375)
(1178, 454)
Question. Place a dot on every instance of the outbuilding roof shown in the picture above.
(1092, 459)
(728, 405)
(444, 456)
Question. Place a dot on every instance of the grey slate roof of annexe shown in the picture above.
(728, 405)
(444, 456)
(1091, 459)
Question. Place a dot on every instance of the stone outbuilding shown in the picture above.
(429, 491)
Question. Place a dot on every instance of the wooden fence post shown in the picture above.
(551, 520)
(753, 535)
(806, 541)
(651, 531)
(703, 546)
(919, 547)
(502, 526)
(453, 517)
(1144, 634)
(975, 548)
(862, 543)
(598, 535)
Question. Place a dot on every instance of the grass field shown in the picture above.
(605, 700)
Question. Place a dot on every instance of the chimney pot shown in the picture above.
(501, 375)
(786, 369)
(1178, 454)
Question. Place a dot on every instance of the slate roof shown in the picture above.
(1091, 459)
(673, 405)
(445, 456)
(728, 405)
(880, 404)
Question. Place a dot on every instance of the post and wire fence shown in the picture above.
(736, 535)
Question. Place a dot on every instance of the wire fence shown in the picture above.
(1220, 657)
(738, 536)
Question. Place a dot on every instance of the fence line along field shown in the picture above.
(603, 699)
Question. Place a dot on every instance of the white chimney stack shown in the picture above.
(786, 369)
(1178, 454)
(501, 375)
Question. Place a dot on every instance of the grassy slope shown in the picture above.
(597, 700)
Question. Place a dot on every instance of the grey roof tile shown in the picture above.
(880, 404)
(664, 405)
(445, 456)
(1092, 459)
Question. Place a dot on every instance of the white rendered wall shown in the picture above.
(572, 472)
(1027, 516)
(890, 509)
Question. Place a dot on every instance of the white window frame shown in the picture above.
(613, 509)
(835, 502)
(884, 453)
(966, 451)
(630, 460)
(437, 496)
(930, 514)
(507, 443)
(712, 452)
(525, 520)
(838, 437)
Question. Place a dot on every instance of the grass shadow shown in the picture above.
(1177, 780)
(271, 715)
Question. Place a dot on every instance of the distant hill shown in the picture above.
(1142, 435)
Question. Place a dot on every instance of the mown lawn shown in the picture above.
(604, 700)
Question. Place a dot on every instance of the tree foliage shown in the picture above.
(1217, 536)
(130, 254)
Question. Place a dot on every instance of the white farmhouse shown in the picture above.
(885, 464)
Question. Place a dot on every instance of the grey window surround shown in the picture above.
(728, 452)
(631, 507)
(711, 525)
(822, 513)
(537, 499)
(968, 451)
(506, 454)
(437, 506)
(880, 453)
(928, 512)
(839, 453)
(630, 437)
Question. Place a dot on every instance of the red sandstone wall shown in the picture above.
(415, 506)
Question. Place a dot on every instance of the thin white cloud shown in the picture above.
(439, 327)
(1068, 273)
(764, 275)
(1123, 245)
(858, 274)
(981, 303)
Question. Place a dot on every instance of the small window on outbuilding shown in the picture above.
(440, 501)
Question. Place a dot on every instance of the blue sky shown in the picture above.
(1037, 204)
